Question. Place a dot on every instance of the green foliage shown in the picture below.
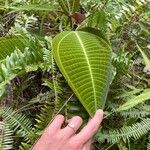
(85, 65)
(26, 6)
(16, 63)
(135, 131)
(50, 109)
(8, 45)
(33, 91)
(21, 61)
(145, 58)
(6, 138)
(70, 6)
(98, 20)
(24, 146)
(124, 11)
(18, 123)
(145, 95)
(135, 113)
(148, 145)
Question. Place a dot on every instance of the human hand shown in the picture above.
(55, 138)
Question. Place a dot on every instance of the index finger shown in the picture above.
(56, 123)
(90, 129)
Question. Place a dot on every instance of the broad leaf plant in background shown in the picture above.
(73, 56)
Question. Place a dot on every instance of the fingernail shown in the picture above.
(99, 111)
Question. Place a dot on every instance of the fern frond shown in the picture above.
(135, 113)
(45, 116)
(8, 45)
(6, 137)
(42, 98)
(55, 86)
(136, 100)
(53, 104)
(18, 122)
(135, 131)
(47, 55)
(16, 63)
(57, 89)
(30, 57)
(25, 146)
(124, 11)
(130, 8)
(148, 144)
(122, 62)
(47, 59)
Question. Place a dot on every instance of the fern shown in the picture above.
(16, 63)
(53, 105)
(148, 144)
(141, 111)
(55, 86)
(135, 113)
(122, 62)
(24, 146)
(45, 116)
(135, 131)
(124, 11)
(9, 44)
(18, 123)
(42, 98)
(57, 89)
(6, 137)
(19, 62)
(141, 98)
(20, 55)
(47, 59)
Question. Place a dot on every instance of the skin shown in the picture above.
(57, 138)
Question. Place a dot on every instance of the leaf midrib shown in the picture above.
(89, 66)
(66, 73)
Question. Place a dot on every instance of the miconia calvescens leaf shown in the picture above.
(85, 61)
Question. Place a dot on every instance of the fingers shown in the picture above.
(90, 129)
(88, 145)
(72, 127)
(58, 138)
(57, 123)
(50, 131)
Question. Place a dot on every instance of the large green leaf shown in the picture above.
(85, 61)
